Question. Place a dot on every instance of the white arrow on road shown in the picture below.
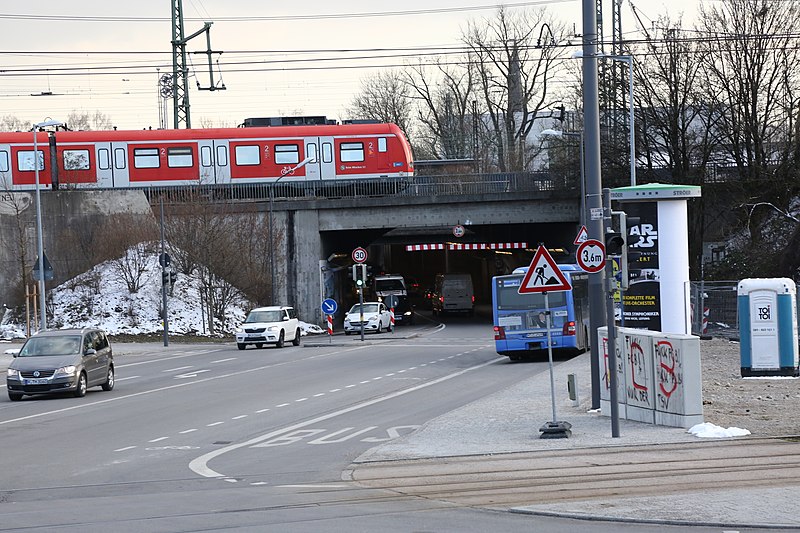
(191, 374)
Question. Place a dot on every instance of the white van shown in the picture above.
(453, 292)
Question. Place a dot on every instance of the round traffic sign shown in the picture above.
(591, 256)
(458, 230)
(329, 306)
(359, 255)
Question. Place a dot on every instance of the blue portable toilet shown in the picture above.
(768, 327)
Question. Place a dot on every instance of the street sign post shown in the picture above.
(544, 276)
(329, 306)
(458, 230)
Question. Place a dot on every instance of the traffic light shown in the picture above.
(359, 274)
(165, 277)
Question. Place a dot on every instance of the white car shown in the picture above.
(269, 325)
(375, 318)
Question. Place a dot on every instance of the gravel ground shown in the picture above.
(764, 406)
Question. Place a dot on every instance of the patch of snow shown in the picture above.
(708, 430)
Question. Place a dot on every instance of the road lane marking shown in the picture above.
(214, 424)
(224, 360)
(263, 410)
(126, 378)
(179, 368)
(239, 417)
(159, 439)
(126, 448)
(191, 374)
(187, 431)
(282, 405)
(200, 464)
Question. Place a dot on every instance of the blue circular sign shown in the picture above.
(329, 306)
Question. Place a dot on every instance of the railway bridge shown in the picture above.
(317, 226)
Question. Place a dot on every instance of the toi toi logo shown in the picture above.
(764, 313)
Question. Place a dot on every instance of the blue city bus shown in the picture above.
(520, 327)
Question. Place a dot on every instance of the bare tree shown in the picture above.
(752, 82)
(513, 68)
(84, 120)
(383, 97)
(12, 123)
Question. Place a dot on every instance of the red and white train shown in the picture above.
(147, 158)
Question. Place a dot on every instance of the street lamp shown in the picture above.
(285, 172)
(40, 239)
(579, 135)
(629, 60)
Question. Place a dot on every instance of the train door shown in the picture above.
(323, 166)
(112, 164)
(215, 165)
(6, 181)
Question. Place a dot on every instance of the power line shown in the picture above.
(253, 18)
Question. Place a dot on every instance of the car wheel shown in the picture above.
(259, 345)
(109, 384)
(279, 344)
(347, 333)
(241, 345)
(380, 327)
(296, 340)
(80, 390)
(14, 397)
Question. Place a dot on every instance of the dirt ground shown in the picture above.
(764, 406)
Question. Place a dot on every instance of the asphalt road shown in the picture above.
(210, 438)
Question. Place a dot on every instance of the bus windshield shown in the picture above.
(509, 299)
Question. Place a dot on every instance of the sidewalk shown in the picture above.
(651, 474)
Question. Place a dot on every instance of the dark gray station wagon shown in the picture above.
(64, 360)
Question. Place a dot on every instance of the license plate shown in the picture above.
(36, 382)
(535, 335)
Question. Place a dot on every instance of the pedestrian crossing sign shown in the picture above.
(543, 275)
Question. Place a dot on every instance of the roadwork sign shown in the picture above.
(543, 275)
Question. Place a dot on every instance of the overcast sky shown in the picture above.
(321, 85)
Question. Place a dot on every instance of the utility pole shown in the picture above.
(180, 69)
(594, 204)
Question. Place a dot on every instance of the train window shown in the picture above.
(3, 161)
(205, 156)
(327, 153)
(381, 144)
(352, 152)
(179, 157)
(119, 158)
(311, 152)
(25, 160)
(247, 155)
(287, 154)
(222, 156)
(102, 159)
(145, 158)
(76, 159)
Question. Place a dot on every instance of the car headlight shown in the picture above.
(12, 373)
(239, 330)
(373, 317)
(273, 328)
(67, 371)
(347, 321)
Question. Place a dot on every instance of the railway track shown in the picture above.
(532, 478)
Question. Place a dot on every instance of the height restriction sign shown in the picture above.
(591, 256)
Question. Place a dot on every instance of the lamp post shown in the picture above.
(39, 237)
(285, 172)
(579, 135)
(629, 60)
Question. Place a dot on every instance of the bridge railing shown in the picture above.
(411, 186)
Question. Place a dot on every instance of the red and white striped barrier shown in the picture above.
(330, 324)
(468, 246)
(423, 247)
(706, 312)
(391, 317)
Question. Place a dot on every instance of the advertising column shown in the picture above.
(658, 296)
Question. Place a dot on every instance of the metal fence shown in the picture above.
(718, 313)
(411, 186)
